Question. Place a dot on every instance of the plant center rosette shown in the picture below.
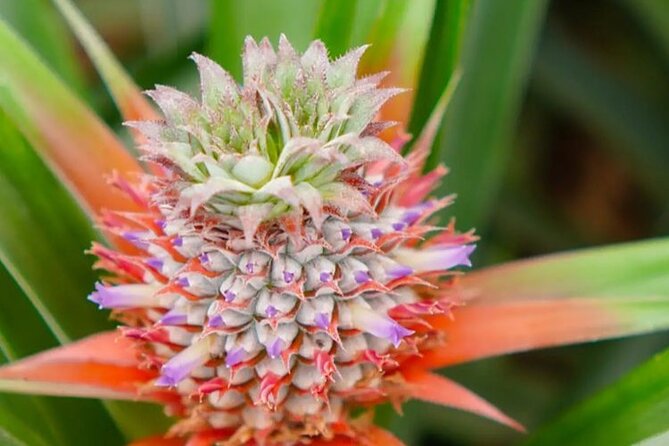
(282, 267)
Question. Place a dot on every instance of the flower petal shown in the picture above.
(436, 389)
(101, 366)
(436, 258)
(181, 365)
(376, 324)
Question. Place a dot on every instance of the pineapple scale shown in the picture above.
(295, 330)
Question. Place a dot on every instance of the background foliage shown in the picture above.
(557, 138)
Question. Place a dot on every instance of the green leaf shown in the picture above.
(654, 14)
(635, 127)
(15, 432)
(43, 236)
(231, 21)
(556, 300)
(625, 270)
(633, 409)
(496, 54)
(442, 56)
(384, 32)
(39, 24)
(62, 422)
(75, 143)
(367, 15)
(656, 440)
(126, 94)
(335, 25)
(22, 331)
(138, 420)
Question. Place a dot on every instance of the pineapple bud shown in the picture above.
(278, 279)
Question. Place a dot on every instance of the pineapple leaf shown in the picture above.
(62, 422)
(442, 56)
(80, 148)
(126, 94)
(335, 25)
(627, 412)
(50, 227)
(475, 136)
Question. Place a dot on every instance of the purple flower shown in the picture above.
(180, 366)
(361, 276)
(174, 317)
(234, 357)
(381, 326)
(275, 348)
(322, 320)
(216, 321)
(125, 296)
(271, 311)
(435, 259)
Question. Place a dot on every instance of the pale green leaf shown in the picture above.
(476, 145)
(631, 410)
(75, 143)
(126, 94)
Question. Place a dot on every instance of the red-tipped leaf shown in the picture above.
(483, 330)
(74, 142)
(100, 366)
(436, 389)
(158, 441)
(130, 101)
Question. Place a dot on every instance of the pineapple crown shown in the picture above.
(290, 138)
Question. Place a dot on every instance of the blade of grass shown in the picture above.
(479, 123)
(631, 410)
(335, 25)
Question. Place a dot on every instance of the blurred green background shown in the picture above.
(557, 138)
